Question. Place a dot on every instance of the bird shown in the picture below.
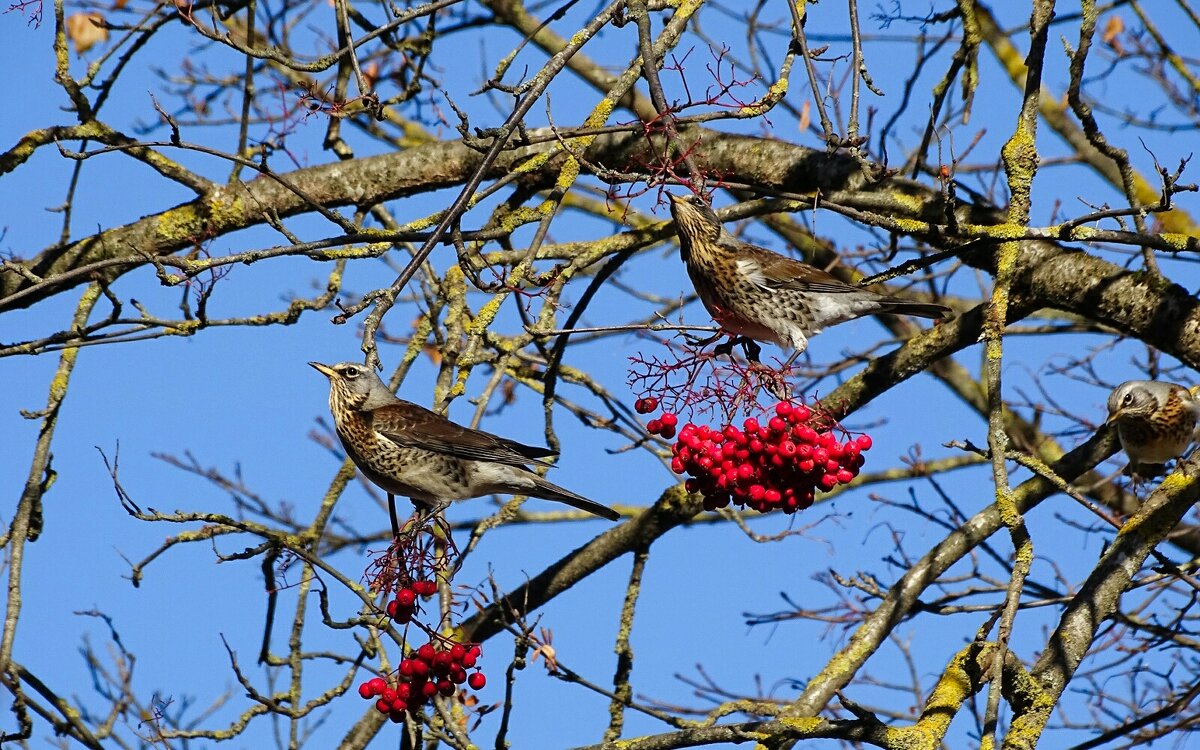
(409, 450)
(1156, 422)
(761, 295)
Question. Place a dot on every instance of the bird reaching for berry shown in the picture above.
(408, 450)
(761, 295)
(1155, 422)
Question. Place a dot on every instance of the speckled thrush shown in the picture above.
(408, 450)
(759, 294)
(1155, 422)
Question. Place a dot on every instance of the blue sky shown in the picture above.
(244, 398)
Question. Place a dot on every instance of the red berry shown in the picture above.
(800, 413)
(828, 481)
(751, 426)
(441, 661)
(383, 706)
(757, 491)
(667, 431)
(406, 597)
(399, 706)
(458, 675)
(406, 667)
(777, 425)
(426, 652)
(424, 588)
(845, 476)
(772, 496)
(365, 691)
(429, 689)
(388, 695)
(864, 442)
(446, 688)
(404, 691)
(477, 681)
(396, 717)
(419, 668)
(668, 419)
(392, 607)
(654, 426)
(787, 448)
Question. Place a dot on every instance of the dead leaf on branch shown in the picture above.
(86, 30)
(1112, 31)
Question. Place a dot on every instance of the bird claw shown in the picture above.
(749, 346)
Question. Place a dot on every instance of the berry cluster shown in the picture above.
(663, 425)
(405, 605)
(780, 466)
(428, 671)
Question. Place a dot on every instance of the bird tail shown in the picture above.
(549, 491)
(918, 309)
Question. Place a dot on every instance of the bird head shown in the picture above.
(694, 218)
(1134, 398)
(354, 386)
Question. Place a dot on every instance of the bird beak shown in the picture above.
(1112, 418)
(325, 370)
(675, 198)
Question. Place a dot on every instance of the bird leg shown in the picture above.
(428, 511)
(749, 346)
(392, 515)
(751, 349)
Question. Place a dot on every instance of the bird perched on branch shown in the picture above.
(1155, 422)
(408, 450)
(759, 294)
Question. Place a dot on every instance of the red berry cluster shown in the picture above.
(428, 671)
(404, 606)
(663, 425)
(777, 467)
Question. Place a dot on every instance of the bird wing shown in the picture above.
(774, 271)
(414, 426)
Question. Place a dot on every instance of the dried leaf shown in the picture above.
(434, 353)
(1112, 30)
(370, 71)
(86, 30)
(805, 117)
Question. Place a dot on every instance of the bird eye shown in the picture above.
(350, 372)
(1128, 399)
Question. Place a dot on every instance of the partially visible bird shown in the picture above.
(759, 294)
(408, 450)
(1155, 422)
